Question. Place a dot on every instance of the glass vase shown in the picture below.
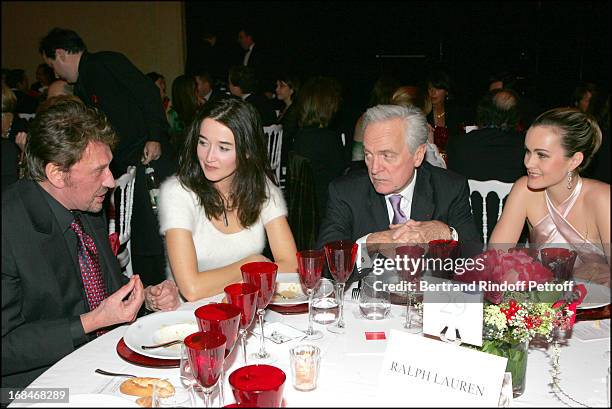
(517, 361)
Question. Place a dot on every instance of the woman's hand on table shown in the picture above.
(162, 297)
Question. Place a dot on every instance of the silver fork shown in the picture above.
(107, 373)
(356, 291)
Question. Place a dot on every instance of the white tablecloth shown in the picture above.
(349, 368)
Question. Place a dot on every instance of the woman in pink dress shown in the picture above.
(562, 208)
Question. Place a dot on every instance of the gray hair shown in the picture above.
(415, 123)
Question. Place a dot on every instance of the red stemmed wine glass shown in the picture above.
(220, 317)
(262, 275)
(223, 318)
(258, 386)
(310, 266)
(341, 261)
(560, 261)
(243, 296)
(206, 352)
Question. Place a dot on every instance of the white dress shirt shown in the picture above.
(405, 205)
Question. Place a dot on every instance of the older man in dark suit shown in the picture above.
(401, 199)
(61, 283)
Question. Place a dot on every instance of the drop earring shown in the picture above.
(570, 175)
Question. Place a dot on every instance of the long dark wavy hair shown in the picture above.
(248, 189)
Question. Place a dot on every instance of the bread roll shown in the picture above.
(145, 401)
(144, 387)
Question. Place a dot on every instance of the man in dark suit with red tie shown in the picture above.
(61, 283)
(401, 198)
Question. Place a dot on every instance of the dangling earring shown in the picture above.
(570, 175)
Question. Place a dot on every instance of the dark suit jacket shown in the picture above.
(487, 153)
(354, 208)
(42, 289)
(323, 147)
(260, 62)
(263, 106)
(130, 100)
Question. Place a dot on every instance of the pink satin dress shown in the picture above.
(553, 230)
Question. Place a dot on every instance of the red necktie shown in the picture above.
(95, 289)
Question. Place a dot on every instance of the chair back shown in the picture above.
(274, 133)
(484, 187)
(121, 218)
(302, 202)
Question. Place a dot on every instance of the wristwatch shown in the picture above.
(453, 233)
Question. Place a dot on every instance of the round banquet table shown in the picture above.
(350, 365)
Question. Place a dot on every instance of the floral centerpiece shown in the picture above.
(513, 318)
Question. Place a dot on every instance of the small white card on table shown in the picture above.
(445, 305)
(419, 371)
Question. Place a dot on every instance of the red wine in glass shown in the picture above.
(310, 267)
(206, 352)
(243, 296)
(259, 386)
(262, 275)
(341, 261)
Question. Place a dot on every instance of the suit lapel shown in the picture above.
(55, 253)
(423, 205)
(378, 209)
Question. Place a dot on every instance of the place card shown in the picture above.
(426, 372)
(446, 306)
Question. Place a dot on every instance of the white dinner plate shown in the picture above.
(288, 284)
(90, 400)
(597, 295)
(159, 328)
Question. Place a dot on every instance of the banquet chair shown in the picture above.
(484, 187)
(121, 216)
(274, 133)
(302, 207)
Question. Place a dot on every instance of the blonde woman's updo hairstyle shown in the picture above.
(579, 132)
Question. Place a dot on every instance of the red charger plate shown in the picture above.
(290, 309)
(135, 358)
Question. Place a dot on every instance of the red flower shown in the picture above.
(500, 267)
(511, 311)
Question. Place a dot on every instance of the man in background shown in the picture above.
(109, 81)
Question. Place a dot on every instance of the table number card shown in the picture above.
(419, 371)
(446, 306)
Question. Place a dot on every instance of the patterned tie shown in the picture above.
(90, 266)
(398, 215)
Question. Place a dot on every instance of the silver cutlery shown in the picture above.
(107, 373)
(356, 291)
(164, 345)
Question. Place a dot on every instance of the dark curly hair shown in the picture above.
(60, 134)
(248, 189)
(579, 132)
